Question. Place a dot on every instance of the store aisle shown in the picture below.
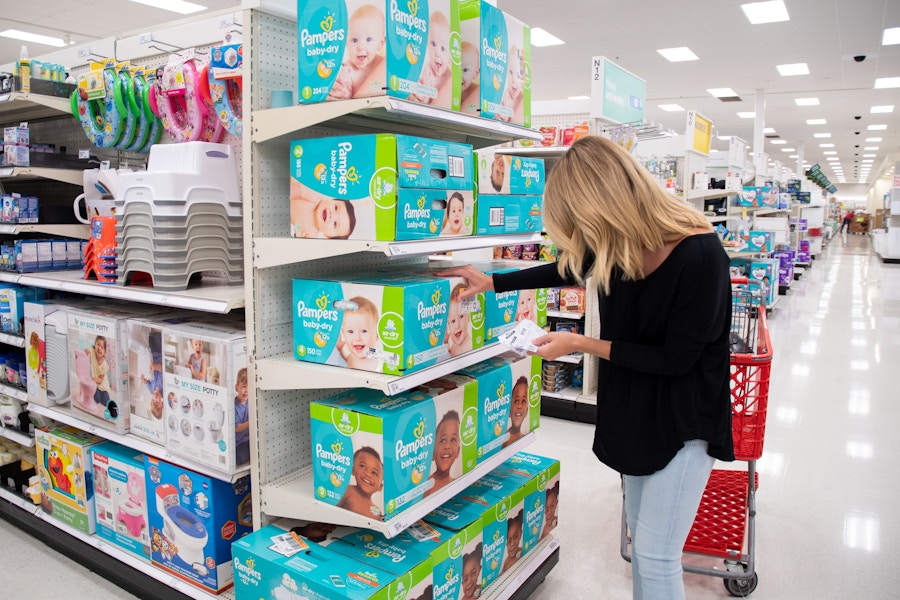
(827, 523)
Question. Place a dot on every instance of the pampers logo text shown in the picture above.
(452, 580)
(327, 35)
(495, 408)
(494, 52)
(340, 173)
(334, 455)
(410, 19)
(319, 313)
(415, 450)
(248, 569)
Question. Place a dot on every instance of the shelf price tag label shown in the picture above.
(698, 133)
(617, 95)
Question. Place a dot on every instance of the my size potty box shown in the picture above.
(273, 563)
(347, 187)
(509, 400)
(500, 215)
(206, 393)
(390, 323)
(64, 466)
(372, 453)
(354, 49)
(120, 497)
(194, 519)
(504, 44)
(498, 173)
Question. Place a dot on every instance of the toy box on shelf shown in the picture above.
(194, 519)
(120, 496)
(64, 466)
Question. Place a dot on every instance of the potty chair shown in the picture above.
(185, 529)
(217, 423)
(86, 385)
(131, 509)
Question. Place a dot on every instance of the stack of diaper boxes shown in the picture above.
(378, 455)
(510, 193)
(381, 187)
(496, 62)
(408, 50)
(456, 552)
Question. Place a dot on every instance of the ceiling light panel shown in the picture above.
(671, 107)
(816, 122)
(876, 127)
(747, 115)
(772, 11)
(886, 108)
(722, 92)
(871, 148)
(806, 101)
(891, 36)
(826, 145)
(779, 141)
(822, 135)
(794, 69)
(176, 6)
(34, 38)
(874, 139)
(540, 37)
(680, 54)
(887, 82)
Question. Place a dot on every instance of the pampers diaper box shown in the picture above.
(359, 48)
(194, 519)
(501, 215)
(372, 454)
(389, 322)
(120, 497)
(64, 466)
(206, 393)
(504, 44)
(541, 494)
(498, 173)
(455, 400)
(509, 400)
(453, 533)
(349, 188)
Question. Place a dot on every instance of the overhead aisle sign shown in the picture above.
(699, 132)
(617, 95)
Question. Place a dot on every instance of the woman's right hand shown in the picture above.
(476, 281)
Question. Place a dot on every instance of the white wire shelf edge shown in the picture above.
(565, 315)
(208, 297)
(284, 372)
(12, 391)
(18, 501)
(505, 586)
(65, 414)
(12, 339)
(572, 359)
(79, 231)
(292, 496)
(16, 100)
(23, 439)
(73, 176)
(694, 195)
(570, 393)
(274, 123)
(537, 151)
(277, 251)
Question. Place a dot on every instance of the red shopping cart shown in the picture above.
(725, 523)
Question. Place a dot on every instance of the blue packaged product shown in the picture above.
(507, 214)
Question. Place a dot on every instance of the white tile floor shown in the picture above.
(827, 502)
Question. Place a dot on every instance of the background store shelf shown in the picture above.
(574, 358)
(380, 114)
(14, 392)
(65, 414)
(208, 295)
(569, 393)
(18, 106)
(536, 151)
(695, 195)
(73, 176)
(565, 315)
(292, 496)
(287, 373)
(17, 436)
(276, 251)
(12, 340)
(512, 584)
(73, 231)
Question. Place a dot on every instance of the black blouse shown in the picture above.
(667, 380)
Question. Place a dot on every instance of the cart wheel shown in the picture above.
(741, 588)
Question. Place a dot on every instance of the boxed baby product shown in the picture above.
(504, 69)
(346, 187)
(500, 215)
(408, 50)
(424, 214)
(120, 497)
(373, 454)
(206, 392)
(388, 322)
(499, 173)
(456, 548)
(503, 310)
(64, 466)
(274, 563)
(455, 400)
(502, 533)
(509, 400)
(765, 271)
(194, 519)
(541, 492)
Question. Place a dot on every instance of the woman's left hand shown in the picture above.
(559, 343)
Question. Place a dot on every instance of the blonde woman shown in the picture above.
(663, 399)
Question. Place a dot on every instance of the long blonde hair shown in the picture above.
(600, 203)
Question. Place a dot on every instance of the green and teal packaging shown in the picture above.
(504, 45)
(508, 214)
(497, 173)
(346, 187)
(401, 322)
(541, 484)
(509, 400)
(400, 430)
(457, 558)
(502, 526)
(426, 214)
(455, 400)
(403, 557)
(273, 563)
(418, 57)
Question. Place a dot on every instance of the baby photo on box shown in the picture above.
(95, 372)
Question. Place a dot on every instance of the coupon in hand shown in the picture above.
(520, 338)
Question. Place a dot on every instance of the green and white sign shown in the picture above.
(617, 96)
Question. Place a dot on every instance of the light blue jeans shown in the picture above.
(660, 509)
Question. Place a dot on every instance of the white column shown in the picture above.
(800, 152)
(759, 138)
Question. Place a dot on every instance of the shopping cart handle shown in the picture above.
(735, 280)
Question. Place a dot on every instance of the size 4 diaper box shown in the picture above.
(354, 49)
(206, 404)
(391, 322)
(500, 173)
(504, 68)
(347, 187)
(120, 497)
(274, 563)
(504, 310)
(64, 466)
(508, 214)
(194, 519)
(373, 454)
(509, 400)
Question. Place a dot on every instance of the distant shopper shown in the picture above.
(663, 398)
(848, 219)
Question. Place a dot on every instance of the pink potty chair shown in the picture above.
(86, 385)
(131, 510)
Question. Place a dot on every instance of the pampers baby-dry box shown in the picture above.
(388, 323)
(498, 173)
(354, 49)
(372, 453)
(347, 187)
(504, 44)
(500, 215)
(424, 214)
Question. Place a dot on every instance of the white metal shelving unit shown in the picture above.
(23, 439)
(73, 176)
